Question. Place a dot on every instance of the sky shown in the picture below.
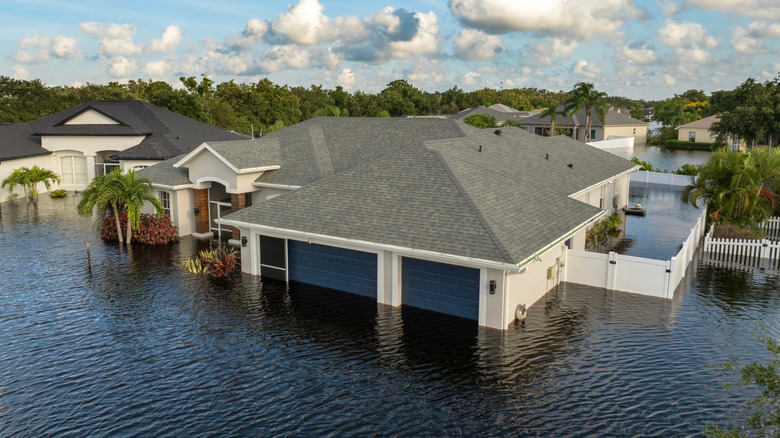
(642, 49)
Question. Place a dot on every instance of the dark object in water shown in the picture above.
(636, 210)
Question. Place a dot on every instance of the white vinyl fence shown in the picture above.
(656, 278)
(761, 254)
(660, 179)
(772, 227)
(614, 142)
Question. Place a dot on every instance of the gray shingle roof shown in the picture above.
(423, 184)
(165, 174)
(702, 123)
(249, 154)
(167, 133)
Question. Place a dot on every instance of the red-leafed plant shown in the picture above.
(153, 230)
(219, 262)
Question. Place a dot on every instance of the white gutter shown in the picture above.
(276, 186)
(632, 170)
(166, 187)
(258, 169)
(398, 249)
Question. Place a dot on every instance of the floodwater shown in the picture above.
(132, 345)
(661, 158)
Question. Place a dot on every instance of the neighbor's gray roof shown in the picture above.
(422, 200)
(702, 123)
(165, 174)
(167, 133)
(613, 118)
(502, 113)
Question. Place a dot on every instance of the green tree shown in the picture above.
(671, 113)
(133, 193)
(100, 193)
(584, 95)
(552, 112)
(750, 112)
(481, 121)
(28, 179)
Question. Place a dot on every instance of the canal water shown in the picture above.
(132, 345)
(661, 158)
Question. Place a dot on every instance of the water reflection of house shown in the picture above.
(427, 212)
(90, 139)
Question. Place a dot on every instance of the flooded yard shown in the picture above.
(132, 345)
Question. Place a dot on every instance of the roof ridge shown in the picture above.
(474, 210)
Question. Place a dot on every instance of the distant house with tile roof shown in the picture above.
(90, 139)
(424, 212)
(501, 112)
(698, 131)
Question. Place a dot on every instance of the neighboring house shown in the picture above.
(698, 131)
(615, 125)
(92, 138)
(424, 212)
(501, 112)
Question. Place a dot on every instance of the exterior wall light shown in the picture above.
(243, 241)
(492, 287)
(197, 211)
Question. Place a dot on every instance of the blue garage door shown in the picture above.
(440, 287)
(335, 268)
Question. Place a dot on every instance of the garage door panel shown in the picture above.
(335, 268)
(440, 287)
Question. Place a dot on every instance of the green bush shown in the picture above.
(690, 146)
(687, 169)
(730, 231)
(659, 139)
(57, 194)
(647, 166)
(153, 231)
(481, 121)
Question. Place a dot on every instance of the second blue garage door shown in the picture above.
(335, 268)
(440, 287)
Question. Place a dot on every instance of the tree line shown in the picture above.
(264, 106)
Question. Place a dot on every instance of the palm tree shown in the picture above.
(552, 111)
(133, 192)
(584, 95)
(37, 175)
(100, 194)
(29, 180)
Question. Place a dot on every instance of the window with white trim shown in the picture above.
(74, 169)
(165, 200)
(592, 134)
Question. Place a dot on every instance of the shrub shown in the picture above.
(57, 194)
(687, 169)
(481, 121)
(660, 138)
(153, 230)
(645, 165)
(730, 231)
(689, 145)
(216, 262)
(599, 234)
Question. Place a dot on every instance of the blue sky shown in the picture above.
(636, 48)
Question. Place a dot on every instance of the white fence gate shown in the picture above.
(657, 278)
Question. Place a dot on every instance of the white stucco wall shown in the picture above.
(703, 135)
(91, 117)
(526, 288)
(89, 145)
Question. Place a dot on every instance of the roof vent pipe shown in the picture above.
(571, 166)
(480, 148)
(546, 156)
(497, 132)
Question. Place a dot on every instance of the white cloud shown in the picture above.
(115, 39)
(346, 78)
(587, 70)
(304, 23)
(121, 68)
(424, 42)
(157, 69)
(763, 9)
(553, 48)
(641, 55)
(669, 79)
(284, 57)
(675, 34)
(475, 45)
(427, 71)
(20, 72)
(751, 40)
(252, 35)
(694, 55)
(471, 78)
(171, 38)
(235, 64)
(583, 19)
(670, 8)
(40, 48)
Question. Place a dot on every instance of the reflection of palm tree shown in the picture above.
(584, 95)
